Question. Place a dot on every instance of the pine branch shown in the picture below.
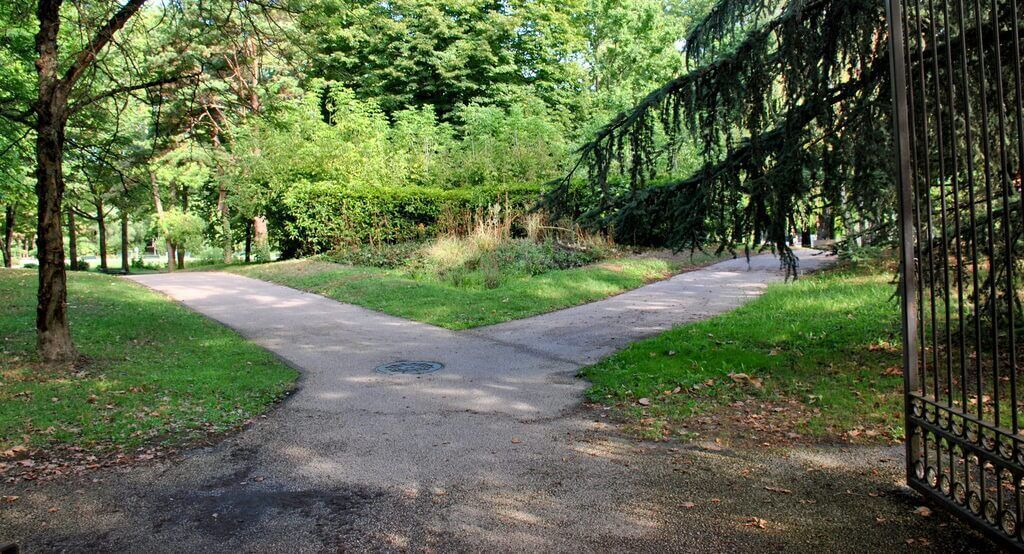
(131, 88)
(103, 36)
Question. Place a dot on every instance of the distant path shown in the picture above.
(491, 453)
(589, 332)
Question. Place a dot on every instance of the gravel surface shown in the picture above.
(494, 452)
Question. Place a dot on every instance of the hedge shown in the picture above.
(324, 215)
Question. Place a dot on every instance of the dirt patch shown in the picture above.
(235, 510)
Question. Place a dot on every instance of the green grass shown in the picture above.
(442, 303)
(824, 342)
(154, 372)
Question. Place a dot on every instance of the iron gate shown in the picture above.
(956, 77)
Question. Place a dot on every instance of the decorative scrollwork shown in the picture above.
(974, 502)
(991, 512)
(959, 493)
(1009, 523)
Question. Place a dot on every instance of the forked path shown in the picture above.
(491, 453)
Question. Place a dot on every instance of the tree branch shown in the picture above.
(131, 88)
(103, 36)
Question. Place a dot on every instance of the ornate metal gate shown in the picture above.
(956, 76)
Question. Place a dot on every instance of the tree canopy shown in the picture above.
(787, 103)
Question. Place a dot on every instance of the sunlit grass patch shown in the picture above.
(813, 357)
(152, 373)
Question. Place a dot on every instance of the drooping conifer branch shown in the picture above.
(772, 117)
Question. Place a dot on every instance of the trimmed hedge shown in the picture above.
(325, 215)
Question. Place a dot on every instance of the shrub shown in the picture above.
(329, 216)
(139, 263)
(183, 230)
(387, 256)
(480, 260)
(261, 253)
(211, 255)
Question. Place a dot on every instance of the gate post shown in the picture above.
(907, 287)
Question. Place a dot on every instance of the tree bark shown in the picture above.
(248, 242)
(159, 205)
(225, 223)
(72, 239)
(183, 199)
(259, 231)
(53, 335)
(125, 264)
(101, 224)
(9, 212)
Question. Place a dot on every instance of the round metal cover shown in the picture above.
(410, 368)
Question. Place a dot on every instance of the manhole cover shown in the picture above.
(410, 368)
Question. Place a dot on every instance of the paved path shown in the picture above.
(492, 453)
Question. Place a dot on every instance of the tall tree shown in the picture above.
(414, 53)
(788, 102)
(98, 69)
(52, 109)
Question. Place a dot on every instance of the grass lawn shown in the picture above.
(154, 373)
(399, 293)
(814, 358)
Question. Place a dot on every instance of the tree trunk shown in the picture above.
(53, 335)
(248, 242)
(180, 253)
(125, 264)
(827, 224)
(159, 205)
(183, 199)
(51, 107)
(259, 231)
(225, 223)
(171, 256)
(8, 235)
(72, 239)
(101, 224)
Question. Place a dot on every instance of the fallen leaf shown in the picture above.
(687, 505)
(893, 371)
(644, 401)
(10, 499)
(516, 440)
(756, 522)
(923, 511)
(744, 378)
(778, 489)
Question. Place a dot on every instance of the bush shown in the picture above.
(329, 216)
(183, 230)
(487, 257)
(261, 253)
(211, 255)
(386, 256)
